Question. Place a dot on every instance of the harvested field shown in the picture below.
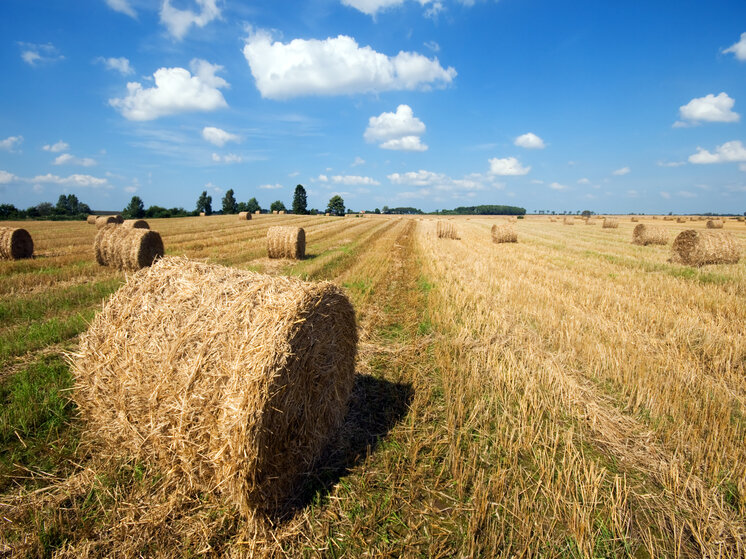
(573, 395)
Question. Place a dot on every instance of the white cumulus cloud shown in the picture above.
(529, 141)
(738, 49)
(72, 180)
(218, 136)
(371, 7)
(121, 65)
(335, 66)
(123, 7)
(710, 108)
(33, 54)
(729, 152)
(179, 21)
(229, 158)
(69, 159)
(10, 142)
(57, 148)
(350, 180)
(270, 186)
(621, 172)
(671, 163)
(176, 91)
(407, 143)
(6, 177)
(507, 166)
(397, 131)
(557, 186)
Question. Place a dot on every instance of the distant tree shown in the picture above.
(299, 200)
(229, 203)
(253, 206)
(8, 211)
(313, 211)
(385, 209)
(277, 205)
(241, 207)
(204, 203)
(336, 205)
(44, 209)
(135, 209)
(586, 213)
(376, 211)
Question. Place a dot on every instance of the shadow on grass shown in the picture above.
(376, 406)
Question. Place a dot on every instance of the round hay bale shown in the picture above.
(446, 230)
(91, 219)
(223, 379)
(244, 215)
(284, 241)
(680, 220)
(104, 220)
(634, 220)
(202, 214)
(649, 235)
(327, 214)
(697, 248)
(15, 243)
(714, 223)
(282, 212)
(504, 233)
(127, 249)
(610, 223)
(136, 224)
(257, 212)
(568, 221)
(274, 212)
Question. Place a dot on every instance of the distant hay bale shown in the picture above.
(127, 249)
(649, 235)
(104, 220)
(610, 223)
(741, 218)
(446, 230)
(202, 214)
(282, 212)
(274, 212)
(286, 242)
(634, 220)
(327, 214)
(667, 218)
(257, 212)
(568, 221)
(697, 248)
(15, 243)
(589, 222)
(680, 220)
(244, 216)
(91, 219)
(714, 224)
(136, 224)
(504, 233)
(225, 381)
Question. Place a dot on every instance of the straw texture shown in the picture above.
(15, 243)
(227, 380)
(136, 224)
(244, 215)
(568, 221)
(610, 223)
(446, 230)
(91, 219)
(697, 248)
(127, 249)
(714, 223)
(286, 242)
(680, 220)
(504, 233)
(104, 220)
(649, 235)
(257, 212)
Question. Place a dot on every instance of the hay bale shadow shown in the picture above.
(376, 406)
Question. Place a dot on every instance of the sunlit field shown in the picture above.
(568, 395)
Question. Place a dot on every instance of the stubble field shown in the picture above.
(569, 395)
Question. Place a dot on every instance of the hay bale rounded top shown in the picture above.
(649, 235)
(285, 241)
(127, 249)
(697, 248)
(244, 215)
(610, 223)
(15, 243)
(91, 219)
(504, 233)
(225, 379)
(714, 224)
(104, 220)
(257, 212)
(446, 230)
(136, 224)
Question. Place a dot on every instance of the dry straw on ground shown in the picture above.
(136, 224)
(697, 248)
(244, 215)
(446, 230)
(127, 249)
(91, 219)
(104, 220)
(610, 223)
(228, 381)
(714, 223)
(504, 233)
(284, 241)
(15, 243)
(649, 235)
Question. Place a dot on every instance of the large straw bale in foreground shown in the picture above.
(104, 220)
(284, 241)
(227, 380)
(136, 224)
(610, 223)
(446, 230)
(15, 243)
(697, 248)
(127, 249)
(714, 223)
(649, 235)
(244, 215)
(504, 233)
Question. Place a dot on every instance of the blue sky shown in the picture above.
(613, 107)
